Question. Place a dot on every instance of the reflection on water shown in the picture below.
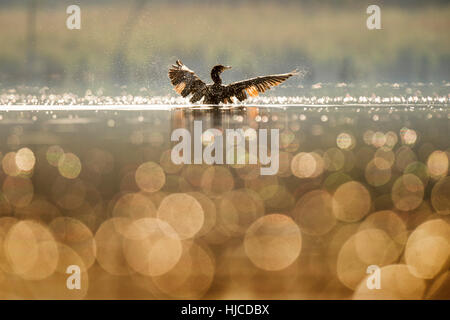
(356, 186)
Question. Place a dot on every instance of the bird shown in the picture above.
(186, 83)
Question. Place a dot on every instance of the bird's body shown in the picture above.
(214, 93)
(186, 82)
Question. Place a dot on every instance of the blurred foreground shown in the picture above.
(356, 187)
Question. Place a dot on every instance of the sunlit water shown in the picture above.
(361, 182)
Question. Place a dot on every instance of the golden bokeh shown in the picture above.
(273, 242)
(150, 177)
(183, 213)
(216, 180)
(354, 188)
(351, 202)
(18, 190)
(437, 164)
(9, 164)
(314, 213)
(376, 176)
(54, 153)
(407, 192)
(191, 277)
(31, 250)
(25, 159)
(440, 196)
(109, 240)
(69, 165)
(134, 206)
(77, 236)
(307, 165)
(68, 193)
(237, 210)
(427, 251)
(151, 246)
(345, 141)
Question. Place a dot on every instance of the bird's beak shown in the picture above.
(227, 67)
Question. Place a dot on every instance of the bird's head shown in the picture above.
(219, 69)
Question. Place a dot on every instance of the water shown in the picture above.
(357, 185)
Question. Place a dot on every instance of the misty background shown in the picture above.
(132, 43)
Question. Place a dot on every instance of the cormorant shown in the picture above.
(187, 82)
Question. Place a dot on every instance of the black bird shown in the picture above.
(187, 82)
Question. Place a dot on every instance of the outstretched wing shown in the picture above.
(255, 86)
(186, 81)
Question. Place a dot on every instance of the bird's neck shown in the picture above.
(216, 77)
